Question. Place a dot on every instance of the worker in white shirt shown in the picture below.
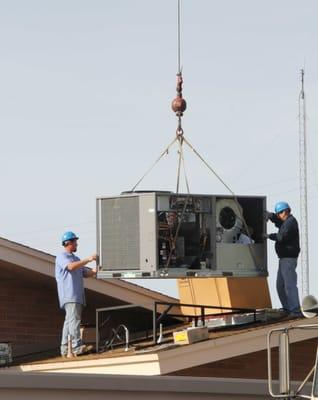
(243, 238)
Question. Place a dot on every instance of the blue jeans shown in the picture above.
(72, 322)
(286, 284)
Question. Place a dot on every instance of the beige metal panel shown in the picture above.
(207, 291)
(249, 292)
(224, 292)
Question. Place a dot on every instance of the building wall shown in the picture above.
(254, 365)
(30, 317)
(28, 313)
(31, 320)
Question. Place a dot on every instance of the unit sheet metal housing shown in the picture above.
(169, 235)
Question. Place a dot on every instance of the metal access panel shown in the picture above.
(169, 235)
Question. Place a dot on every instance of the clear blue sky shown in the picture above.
(85, 93)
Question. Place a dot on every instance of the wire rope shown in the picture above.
(178, 170)
(179, 39)
(165, 152)
(184, 169)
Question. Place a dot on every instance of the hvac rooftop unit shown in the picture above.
(168, 235)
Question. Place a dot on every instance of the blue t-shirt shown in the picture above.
(70, 285)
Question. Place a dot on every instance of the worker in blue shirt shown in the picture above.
(287, 249)
(69, 274)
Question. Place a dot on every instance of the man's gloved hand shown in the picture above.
(268, 215)
(272, 236)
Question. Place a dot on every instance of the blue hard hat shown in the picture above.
(68, 236)
(281, 206)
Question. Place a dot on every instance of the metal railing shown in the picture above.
(169, 312)
(202, 317)
(284, 366)
(110, 309)
(111, 342)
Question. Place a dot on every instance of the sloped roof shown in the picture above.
(43, 263)
(162, 360)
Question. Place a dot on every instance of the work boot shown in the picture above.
(296, 315)
(83, 349)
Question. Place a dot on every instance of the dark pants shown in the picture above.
(286, 284)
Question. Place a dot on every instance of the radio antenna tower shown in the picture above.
(303, 189)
